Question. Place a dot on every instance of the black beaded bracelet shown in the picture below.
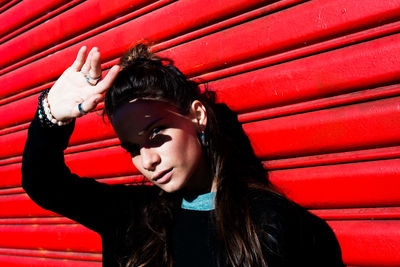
(46, 119)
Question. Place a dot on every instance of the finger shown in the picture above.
(80, 59)
(86, 67)
(95, 65)
(106, 83)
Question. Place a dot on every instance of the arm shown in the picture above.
(49, 182)
(45, 177)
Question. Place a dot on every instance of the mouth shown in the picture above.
(162, 177)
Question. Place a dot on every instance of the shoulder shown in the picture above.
(298, 235)
(133, 194)
(270, 206)
(123, 205)
(120, 200)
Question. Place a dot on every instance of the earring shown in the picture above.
(203, 139)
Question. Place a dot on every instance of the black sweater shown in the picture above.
(290, 235)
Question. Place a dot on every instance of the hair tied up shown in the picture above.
(140, 53)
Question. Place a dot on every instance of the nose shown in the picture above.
(150, 158)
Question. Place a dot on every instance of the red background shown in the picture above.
(315, 84)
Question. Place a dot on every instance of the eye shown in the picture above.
(155, 131)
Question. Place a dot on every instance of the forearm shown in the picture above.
(43, 165)
(50, 184)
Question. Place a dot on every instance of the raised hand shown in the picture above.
(76, 92)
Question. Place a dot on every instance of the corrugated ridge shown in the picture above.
(68, 255)
(125, 19)
(72, 32)
(23, 261)
(17, 19)
(378, 213)
(8, 5)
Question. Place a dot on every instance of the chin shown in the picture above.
(171, 187)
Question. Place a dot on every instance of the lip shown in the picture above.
(162, 177)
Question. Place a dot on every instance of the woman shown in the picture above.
(211, 204)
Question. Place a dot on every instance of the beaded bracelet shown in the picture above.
(45, 116)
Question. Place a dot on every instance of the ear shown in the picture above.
(198, 114)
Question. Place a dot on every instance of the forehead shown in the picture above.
(135, 116)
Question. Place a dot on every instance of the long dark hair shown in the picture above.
(229, 153)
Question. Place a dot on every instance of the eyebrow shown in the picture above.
(145, 129)
(127, 145)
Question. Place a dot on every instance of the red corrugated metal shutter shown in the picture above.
(314, 82)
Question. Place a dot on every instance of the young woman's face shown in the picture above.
(163, 143)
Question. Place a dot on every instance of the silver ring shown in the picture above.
(92, 81)
(81, 111)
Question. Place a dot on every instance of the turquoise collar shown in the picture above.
(204, 202)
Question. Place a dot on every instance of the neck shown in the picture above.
(200, 183)
(192, 192)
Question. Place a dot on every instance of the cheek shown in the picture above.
(136, 162)
(188, 149)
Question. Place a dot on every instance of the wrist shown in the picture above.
(45, 116)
